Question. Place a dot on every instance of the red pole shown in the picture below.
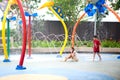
(24, 36)
(29, 37)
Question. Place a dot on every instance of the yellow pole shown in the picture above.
(65, 29)
(3, 30)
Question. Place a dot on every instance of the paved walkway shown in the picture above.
(49, 64)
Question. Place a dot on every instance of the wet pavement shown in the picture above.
(50, 64)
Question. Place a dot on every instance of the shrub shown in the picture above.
(45, 43)
(108, 43)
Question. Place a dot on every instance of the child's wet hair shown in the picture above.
(95, 36)
(72, 49)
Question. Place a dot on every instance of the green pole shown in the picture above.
(8, 37)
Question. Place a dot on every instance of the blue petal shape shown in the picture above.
(27, 14)
(101, 1)
(102, 9)
(92, 12)
(100, 6)
(2, 19)
(13, 18)
(34, 14)
(89, 10)
(7, 19)
(20, 22)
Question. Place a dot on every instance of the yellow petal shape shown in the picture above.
(47, 4)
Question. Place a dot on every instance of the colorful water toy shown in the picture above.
(90, 10)
(58, 12)
(29, 31)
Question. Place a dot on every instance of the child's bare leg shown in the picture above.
(66, 58)
(99, 56)
(94, 56)
(75, 59)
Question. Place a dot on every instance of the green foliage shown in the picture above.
(89, 43)
(117, 5)
(17, 44)
(107, 43)
(39, 43)
(46, 43)
(85, 43)
(31, 5)
(70, 10)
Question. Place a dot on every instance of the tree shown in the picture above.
(71, 10)
(28, 5)
(116, 5)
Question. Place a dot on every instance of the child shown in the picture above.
(96, 47)
(72, 55)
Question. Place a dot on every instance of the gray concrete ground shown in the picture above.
(50, 64)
